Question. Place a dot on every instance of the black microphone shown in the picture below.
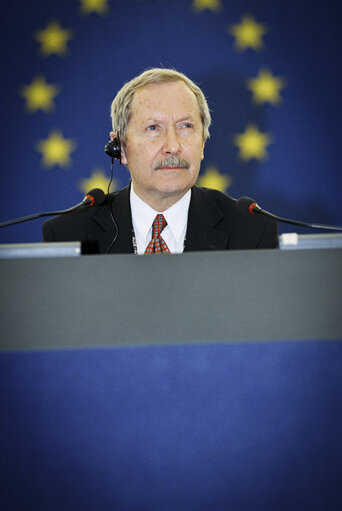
(249, 206)
(93, 198)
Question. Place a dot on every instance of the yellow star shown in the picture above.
(56, 150)
(213, 179)
(266, 87)
(39, 95)
(248, 34)
(53, 39)
(99, 6)
(98, 179)
(213, 5)
(252, 143)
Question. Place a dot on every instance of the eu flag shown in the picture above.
(270, 71)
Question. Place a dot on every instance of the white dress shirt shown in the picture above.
(176, 217)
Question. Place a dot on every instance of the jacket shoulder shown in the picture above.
(79, 225)
(216, 197)
(246, 230)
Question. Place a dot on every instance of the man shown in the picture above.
(163, 120)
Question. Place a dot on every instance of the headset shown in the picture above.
(113, 148)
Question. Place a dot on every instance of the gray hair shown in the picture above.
(121, 110)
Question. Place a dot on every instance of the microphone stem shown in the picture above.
(296, 222)
(39, 215)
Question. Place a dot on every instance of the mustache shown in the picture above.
(172, 161)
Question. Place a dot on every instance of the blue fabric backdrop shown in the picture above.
(62, 93)
(253, 426)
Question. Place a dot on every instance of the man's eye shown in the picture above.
(152, 127)
(187, 125)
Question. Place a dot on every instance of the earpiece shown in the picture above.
(113, 148)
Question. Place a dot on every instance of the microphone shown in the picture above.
(93, 198)
(249, 206)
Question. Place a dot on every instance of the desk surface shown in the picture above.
(195, 297)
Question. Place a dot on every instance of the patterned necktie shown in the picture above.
(157, 245)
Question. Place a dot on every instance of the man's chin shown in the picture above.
(174, 177)
(174, 187)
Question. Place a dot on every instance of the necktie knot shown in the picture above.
(158, 225)
(157, 245)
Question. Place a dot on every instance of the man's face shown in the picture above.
(164, 142)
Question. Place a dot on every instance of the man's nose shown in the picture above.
(171, 142)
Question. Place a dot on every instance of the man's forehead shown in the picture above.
(160, 96)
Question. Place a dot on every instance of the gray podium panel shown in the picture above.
(195, 297)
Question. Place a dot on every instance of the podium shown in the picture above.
(174, 382)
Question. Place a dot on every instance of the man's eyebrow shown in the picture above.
(186, 118)
(156, 119)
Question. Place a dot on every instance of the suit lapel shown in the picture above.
(204, 215)
(106, 231)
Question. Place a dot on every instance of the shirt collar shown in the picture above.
(176, 216)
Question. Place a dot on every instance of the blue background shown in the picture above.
(301, 177)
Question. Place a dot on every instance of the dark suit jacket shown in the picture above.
(214, 223)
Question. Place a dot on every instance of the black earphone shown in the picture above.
(113, 148)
